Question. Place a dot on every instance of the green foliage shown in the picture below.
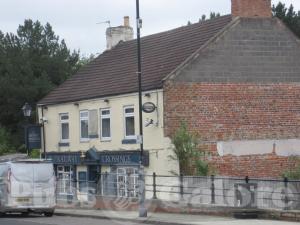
(32, 62)
(5, 139)
(34, 154)
(212, 15)
(289, 16)
(191, 158)
(293, 172)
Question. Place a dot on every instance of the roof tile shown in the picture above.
(114, 71)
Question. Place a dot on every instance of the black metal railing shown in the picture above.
(192, 190)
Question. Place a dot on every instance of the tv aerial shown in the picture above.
(105, 22)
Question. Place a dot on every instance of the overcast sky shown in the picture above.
(76, 20)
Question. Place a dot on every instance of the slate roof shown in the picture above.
(114, 71)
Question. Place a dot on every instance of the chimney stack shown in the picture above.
(121, 33)
(126, 21)
(251, 8)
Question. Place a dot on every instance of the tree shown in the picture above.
(191, 158)
(293, 172)
(289, 16)
(32, 62)
(212, 15)
(5, 139)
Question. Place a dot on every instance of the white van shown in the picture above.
(27, 186)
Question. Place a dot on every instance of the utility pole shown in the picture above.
(142, 208)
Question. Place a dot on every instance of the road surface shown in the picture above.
(57, 220)
(66, 220)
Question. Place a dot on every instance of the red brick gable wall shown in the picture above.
(223, 112)
(251, 8)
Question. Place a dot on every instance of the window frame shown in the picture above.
(100, 127)
(124, 121)
(61, 121)
(81, 119)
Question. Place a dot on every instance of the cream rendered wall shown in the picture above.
(158, 146)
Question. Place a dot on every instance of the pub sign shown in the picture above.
(33, 138)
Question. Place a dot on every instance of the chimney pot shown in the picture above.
(251, 8)
(126, 21)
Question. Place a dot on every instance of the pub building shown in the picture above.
(82, 172)
(91, 119)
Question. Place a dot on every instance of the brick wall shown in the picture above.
(223, 112)
(251, 8)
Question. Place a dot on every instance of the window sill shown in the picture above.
(105, 140)
(84, 140)
(128, 141)
(96, 136)
(63, 144)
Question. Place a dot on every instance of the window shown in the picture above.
(105, 124)
(64, 182)
(82, 181)
(84, 125)
(129, 122)
(64, 126)
(127, 182)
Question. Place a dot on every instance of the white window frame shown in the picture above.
(129, 115)
(128, 180)
(80, 119)
(64, 181)
(105, 117)
(64, 121)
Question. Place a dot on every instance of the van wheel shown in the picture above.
(48, 214)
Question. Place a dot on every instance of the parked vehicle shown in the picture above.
(27, 186)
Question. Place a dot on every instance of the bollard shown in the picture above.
(181, 187)
(212, 188)
(286, 197)
(154, 186)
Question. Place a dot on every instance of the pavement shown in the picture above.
(123, 217)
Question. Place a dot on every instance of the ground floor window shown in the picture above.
(82, 181)
(127, 182)
(64, 182)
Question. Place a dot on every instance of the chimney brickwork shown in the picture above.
(126, 21)
(121, 33)
(251, 8)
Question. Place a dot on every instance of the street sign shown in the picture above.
(139, 139)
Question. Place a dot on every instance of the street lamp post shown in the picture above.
(142, 208)
(27, 113)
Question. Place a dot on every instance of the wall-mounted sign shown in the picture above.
(33, 137)
(123, 158)
(102, 158)
(148, 107)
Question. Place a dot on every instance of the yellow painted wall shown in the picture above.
(158, 146)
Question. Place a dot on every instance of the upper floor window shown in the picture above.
(84, 125)
(129, 122)
(105, 124)
(64, 127)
